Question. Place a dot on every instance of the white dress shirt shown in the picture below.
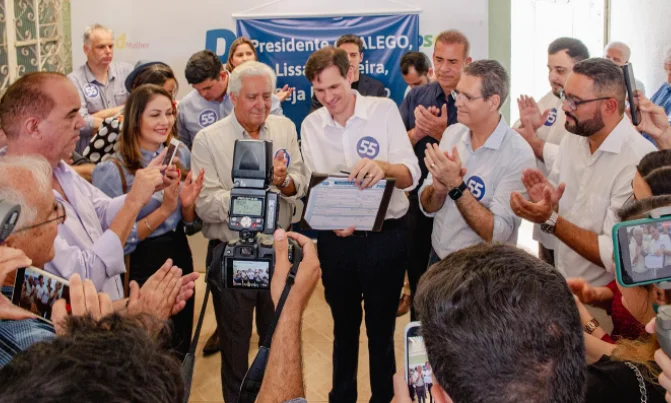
(597, 185)
(375, 131)
(493, 172)
(552, 132)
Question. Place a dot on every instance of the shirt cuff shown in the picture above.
(606, 252)
(501, 231)
(415, 178)
(110, 251)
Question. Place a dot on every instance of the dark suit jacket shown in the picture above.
(367, 86)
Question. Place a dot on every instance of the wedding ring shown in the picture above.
(433, 165)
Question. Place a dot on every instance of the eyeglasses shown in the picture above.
(573, 104)
(463, 96)
(59, 210)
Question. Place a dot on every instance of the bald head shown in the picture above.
(27, 97)
(618, 52)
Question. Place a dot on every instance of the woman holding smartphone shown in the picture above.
(162, 224)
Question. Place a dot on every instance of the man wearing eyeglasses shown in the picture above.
(547, 117)
(591, 174)
(40, 115)
(476, 167)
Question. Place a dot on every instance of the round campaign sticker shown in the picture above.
(477, 187)
(207, 117)
(287, 156)
(368, 147)
(91, 91)
(552, 117)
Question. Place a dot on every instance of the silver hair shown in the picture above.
(14, 188)
(88, 32)
(250, 69)
(667, 55)
(621, 46)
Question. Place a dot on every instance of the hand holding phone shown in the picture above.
(10, 260)
(172, 151)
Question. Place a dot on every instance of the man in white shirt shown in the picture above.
(251, 87)
(476, 167)
(365, 136)
(547, 117)
(592, 172)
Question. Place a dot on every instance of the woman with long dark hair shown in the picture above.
(148, 127)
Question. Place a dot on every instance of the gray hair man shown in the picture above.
(26, 180)
(250, 87)
(476, 167)
(100, 81)
(620, 54)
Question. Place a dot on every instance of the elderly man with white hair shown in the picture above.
(251, 87)
(662, 96)
(100, 81)
(620, 53)
(26, 180)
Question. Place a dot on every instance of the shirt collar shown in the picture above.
(438, 92)
(613, 143)
(147, 155)
(239, 130)
(359, 111)
(495, 139)
(90, 77)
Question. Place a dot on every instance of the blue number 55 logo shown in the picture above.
(477, 187)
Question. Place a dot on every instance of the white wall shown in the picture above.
(171, 31)
(534, 25)
(645, 26)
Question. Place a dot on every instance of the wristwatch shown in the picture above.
(549, 225)
(457, 192)
(591, 325)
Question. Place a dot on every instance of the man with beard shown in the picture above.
(592, 174)
(547, 117)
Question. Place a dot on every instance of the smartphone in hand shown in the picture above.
(36, 291)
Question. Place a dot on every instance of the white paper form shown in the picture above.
(336, 203)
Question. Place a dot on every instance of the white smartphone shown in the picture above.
(36, 291)
(172, 151)
(416, 358)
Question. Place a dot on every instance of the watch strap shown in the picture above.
(457, 192)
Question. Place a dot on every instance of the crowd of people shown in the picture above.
(84, 160)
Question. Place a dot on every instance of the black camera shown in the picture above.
(248, 262)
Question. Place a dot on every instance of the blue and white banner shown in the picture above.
(286, 43)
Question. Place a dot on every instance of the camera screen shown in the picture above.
(37, 291)
(247, 206)
(251, 274)
(645, 252)
(418, 362)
